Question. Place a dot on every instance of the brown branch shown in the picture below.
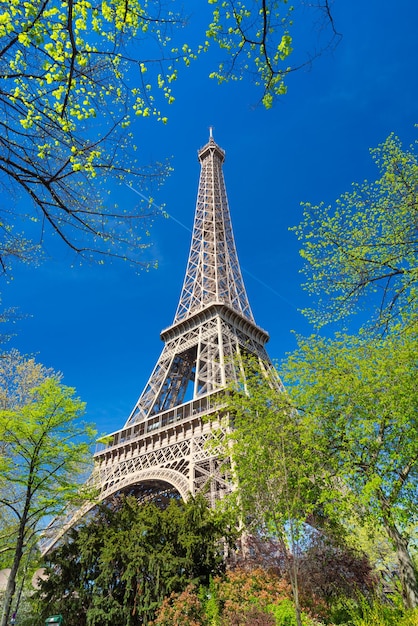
(15, 39)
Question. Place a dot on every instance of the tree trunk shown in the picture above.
(294, 583)
(407, 573)
(11, 583)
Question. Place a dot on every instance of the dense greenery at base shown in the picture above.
(118, 567)
(134, 564)
(260, 598)
(271, 607)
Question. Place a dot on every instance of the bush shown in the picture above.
(181, 609)
(241, 598)
(380, 614)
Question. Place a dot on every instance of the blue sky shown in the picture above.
(100, 326)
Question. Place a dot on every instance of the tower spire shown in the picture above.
(213, 272)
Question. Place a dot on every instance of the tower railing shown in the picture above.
(198, 407)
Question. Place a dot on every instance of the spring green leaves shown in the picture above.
(362, 251)
(258, 41)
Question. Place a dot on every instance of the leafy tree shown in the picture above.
(366, 536)
(277, 465)
(363, 250)
(118, 567)
(44, 449)
(74, 76)
(361, 392)
(18, 376)
(362, 398)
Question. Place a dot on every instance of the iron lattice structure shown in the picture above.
(163, 449)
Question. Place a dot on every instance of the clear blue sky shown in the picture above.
(100, 326)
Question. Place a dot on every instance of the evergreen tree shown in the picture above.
(119, 566)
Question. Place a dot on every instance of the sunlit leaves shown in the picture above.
(363, 250)
(81, 67)
(76, 76)
(73, 75)
(361, 396)
(45, 447)
(275, 459)
(363, 393)
(258, 40)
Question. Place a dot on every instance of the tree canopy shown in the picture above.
(67, 99)
(361, 252)
(277, 465)
(360, 395)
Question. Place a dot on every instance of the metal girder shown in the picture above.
(213, 272)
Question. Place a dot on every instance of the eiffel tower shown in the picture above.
(162, 451)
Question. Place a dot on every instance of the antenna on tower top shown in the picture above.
(210, 132)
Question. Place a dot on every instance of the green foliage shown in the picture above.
(43, 453)
(18, 376)
(363, 249)
(377, 613)
(185, 610)
(210, 598)
(275, 608)
(361, 395)
(370, 538)
(277, 464)
(44, 449)
(119, 566)
(361, 391)
(260, 36)
(275, 458)
(363, 398)
(258, 41)
(284, 613)
(66, 66)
